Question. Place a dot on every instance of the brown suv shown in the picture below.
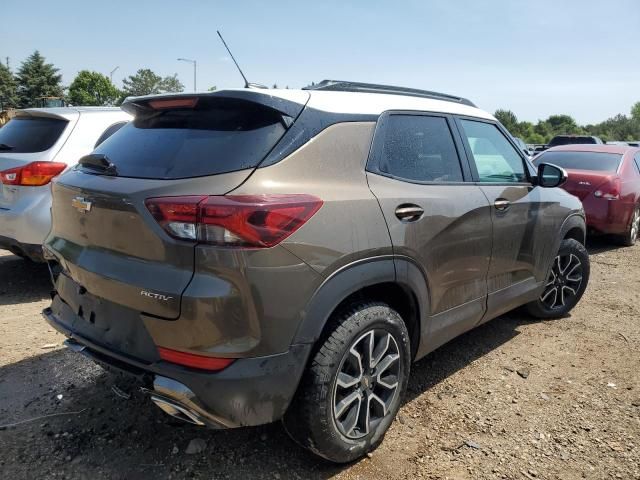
(255, 255)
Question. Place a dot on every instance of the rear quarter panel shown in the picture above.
(350, 225)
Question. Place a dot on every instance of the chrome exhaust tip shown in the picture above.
(177, 400)
(177, 411)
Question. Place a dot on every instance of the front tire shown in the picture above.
(566, 283)
(353, 387)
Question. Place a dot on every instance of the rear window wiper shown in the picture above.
(4, 147)
(98, 163)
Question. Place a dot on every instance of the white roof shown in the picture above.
(371, 103)
(72, 112)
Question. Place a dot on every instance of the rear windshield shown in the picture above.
(30, 135)
(596, 161)
(571, 141)
(217, 136)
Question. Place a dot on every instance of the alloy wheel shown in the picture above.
(367, 383)
(635, 224)
(563, 283)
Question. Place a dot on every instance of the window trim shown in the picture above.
(636, 162)
(377, 144)
(469, 153)
(101, 140)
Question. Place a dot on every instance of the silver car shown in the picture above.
(35, 146)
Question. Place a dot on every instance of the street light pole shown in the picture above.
(111, 74)
(194, 69)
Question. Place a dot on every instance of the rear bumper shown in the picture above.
(34, 252)
(28, 221)
(607, 216)
(251, 391)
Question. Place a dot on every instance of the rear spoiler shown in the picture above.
(288, 103)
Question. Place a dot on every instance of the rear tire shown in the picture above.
(567, 281)
(631, 235)
(348, 398)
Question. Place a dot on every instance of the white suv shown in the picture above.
(35, 146)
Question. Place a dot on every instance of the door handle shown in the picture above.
(409, 213)
(502, 204)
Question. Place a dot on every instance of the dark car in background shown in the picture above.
(559, 140)
(606, 178)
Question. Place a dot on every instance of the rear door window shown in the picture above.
(218, 135)
(419, 148)
(31, 134)
(495, 158)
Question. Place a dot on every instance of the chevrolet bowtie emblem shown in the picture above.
(81, 204)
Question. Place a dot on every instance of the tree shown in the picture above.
(171, 84)
(146, 82)
(37, 79)
(212, 89)
(635, 111)
(508, 119)
(563, 125)
(8, 88)
(92, 88)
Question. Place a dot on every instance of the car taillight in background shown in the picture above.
(609, 191)
(254, 221)
(34, 174)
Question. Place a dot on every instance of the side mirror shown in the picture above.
(550, 176)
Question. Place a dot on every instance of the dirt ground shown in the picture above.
(513, 399)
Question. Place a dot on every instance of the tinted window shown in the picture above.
(495, 158)
(420, 148)
(109, 131)
(219, 135)
(596, 161)
(30, 135)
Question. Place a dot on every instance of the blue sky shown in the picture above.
(534, 57)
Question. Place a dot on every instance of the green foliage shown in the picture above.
(171, 84)
(146, 82)
(635, 112)
(508, 119)
(212, 89)
(92, 88)
(8, 88)
(620, 127)
(37, 79)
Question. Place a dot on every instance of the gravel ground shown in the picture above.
(514, 399)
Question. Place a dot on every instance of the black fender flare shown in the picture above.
(575, 220)
(354, 277)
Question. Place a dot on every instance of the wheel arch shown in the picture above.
(396, 281)
(575, 227)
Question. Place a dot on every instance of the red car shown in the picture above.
(606, 178)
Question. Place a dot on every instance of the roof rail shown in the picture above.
(347, 86)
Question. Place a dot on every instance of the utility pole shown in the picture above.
(111, 74)
(194, 69)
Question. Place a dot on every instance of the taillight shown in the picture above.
(609, 191)
(254, 221)
(34, 174)
(193, 360)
